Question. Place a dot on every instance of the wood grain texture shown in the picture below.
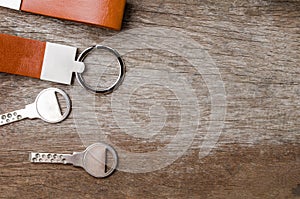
(255, 44)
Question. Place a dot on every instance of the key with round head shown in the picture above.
(45, 107)
(93, 160)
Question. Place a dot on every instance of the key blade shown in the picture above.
(48, 158)
(11, 117)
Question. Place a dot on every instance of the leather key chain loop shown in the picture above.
(50, 61)
(104, 13)
(21, 56)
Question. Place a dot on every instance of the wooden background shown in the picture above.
(254, 43)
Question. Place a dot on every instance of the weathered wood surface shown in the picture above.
(255, 44)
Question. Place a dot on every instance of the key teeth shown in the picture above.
(32, 157)
(9, 117)
(46, 158)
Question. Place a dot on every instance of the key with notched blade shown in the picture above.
(93, 160)
(45, 107)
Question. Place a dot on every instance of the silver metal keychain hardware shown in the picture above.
(92, 160)
(121, 75)
(45, 107)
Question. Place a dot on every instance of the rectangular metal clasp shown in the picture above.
(59, 63)
(12, 4)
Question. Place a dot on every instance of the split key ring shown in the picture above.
(121, 75)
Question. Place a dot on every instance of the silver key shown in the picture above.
(93, 160)
(45, 107)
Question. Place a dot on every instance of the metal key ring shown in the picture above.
(116, 84)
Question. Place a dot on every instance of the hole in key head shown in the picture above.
(109, 162)
(62, 104)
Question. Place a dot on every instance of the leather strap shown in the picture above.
(21, 56)
(105, 13)
(43, 60)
